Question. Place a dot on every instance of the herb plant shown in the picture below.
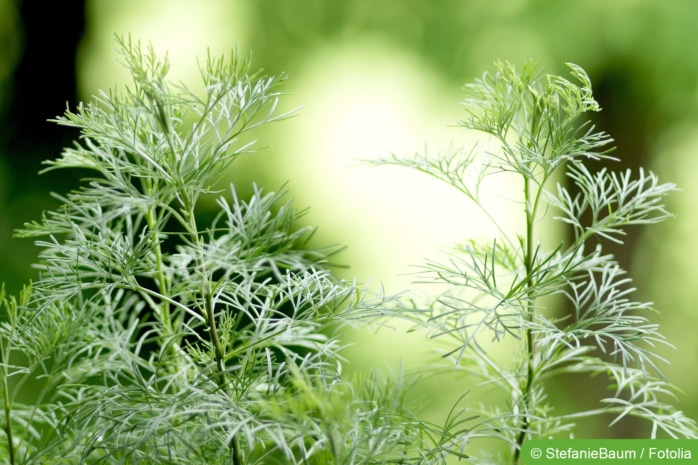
(567, 307)
(151, 339)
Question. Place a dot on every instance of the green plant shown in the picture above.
(151, 339)
(513, 288)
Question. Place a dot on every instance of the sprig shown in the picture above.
(509, 287)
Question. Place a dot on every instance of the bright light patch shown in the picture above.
(364, 101)
(182, 29)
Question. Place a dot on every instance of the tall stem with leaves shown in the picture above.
(154, 339)
(495, 287)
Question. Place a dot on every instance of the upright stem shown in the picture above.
(210, 315)
(7, 427)
(213, 336)
(525, 400)
(220, 358)
(4, 367)
(161, 279)
(163, 118)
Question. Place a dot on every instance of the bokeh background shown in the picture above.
(370, 78)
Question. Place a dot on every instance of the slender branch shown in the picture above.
(210, 313)
(7, 405)
(531, 207)
(4, 367)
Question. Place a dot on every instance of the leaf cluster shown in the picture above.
(149, 338)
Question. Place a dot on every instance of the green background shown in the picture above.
(374, 77)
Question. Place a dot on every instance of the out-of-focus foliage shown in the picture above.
(9, 49)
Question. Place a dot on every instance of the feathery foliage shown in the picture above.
(152, 339)
(513, 288)
(149, 338)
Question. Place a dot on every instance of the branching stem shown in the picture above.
(210, 313)
(530, 205)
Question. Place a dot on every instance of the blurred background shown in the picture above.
(372, 78)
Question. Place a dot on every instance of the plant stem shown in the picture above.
(210, 314)
(6, 352)
(213, 336)
(220, 361)
(7, 427)
(530, 205)
(162, 281)
(188, 204)
(160, 278)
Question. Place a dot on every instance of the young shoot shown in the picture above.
(568, 308)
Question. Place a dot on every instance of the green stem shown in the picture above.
(220, 358)
(7, 427)
(210, 314)
(162, 308)
(160, 277)
(215, 340)
(163, 118)
(525, 400)
(6, 352)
